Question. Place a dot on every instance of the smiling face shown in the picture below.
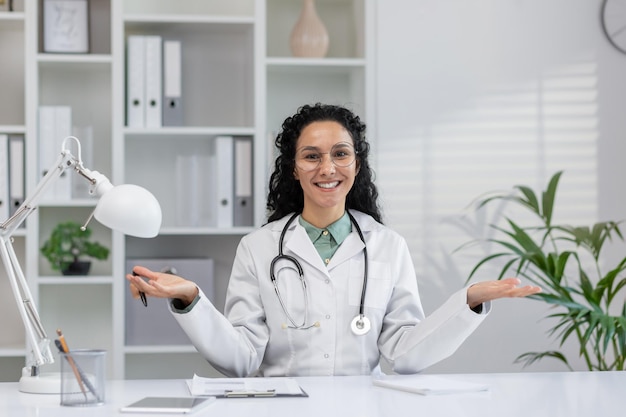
(326, 185)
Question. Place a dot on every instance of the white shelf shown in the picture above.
(130, 132)
(162, 20)
(75, 280)
(19, 129)
(12, 20)
(240, 80)
(318, 63)
(208, 231)
(74, 59)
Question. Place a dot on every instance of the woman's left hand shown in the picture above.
(492, 290)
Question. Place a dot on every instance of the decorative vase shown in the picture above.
(309, 37)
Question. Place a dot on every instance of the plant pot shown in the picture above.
(77, 268)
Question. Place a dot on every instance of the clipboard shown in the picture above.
(274, 387)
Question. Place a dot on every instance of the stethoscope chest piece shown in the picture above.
(360, 325)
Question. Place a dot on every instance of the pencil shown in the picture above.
(70, 360)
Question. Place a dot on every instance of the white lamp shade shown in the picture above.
(129, 209)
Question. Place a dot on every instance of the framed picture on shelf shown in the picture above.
(66, 26)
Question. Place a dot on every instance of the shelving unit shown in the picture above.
(239, 80)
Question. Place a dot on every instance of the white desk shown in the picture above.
(601, 394)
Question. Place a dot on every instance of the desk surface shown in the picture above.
(519, 394)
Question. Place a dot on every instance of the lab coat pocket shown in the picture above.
(378, 284)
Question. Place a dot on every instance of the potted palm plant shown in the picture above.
(566, 262)
(68, 246)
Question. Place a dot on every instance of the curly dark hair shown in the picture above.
(285, 193)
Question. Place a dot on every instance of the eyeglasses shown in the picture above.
(341, 155)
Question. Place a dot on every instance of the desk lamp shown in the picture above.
(127, 208)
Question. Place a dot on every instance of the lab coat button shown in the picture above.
(328, 316)
(326, 355)
(327, 281)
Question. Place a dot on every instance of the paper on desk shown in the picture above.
(428, 384)
(217, 386)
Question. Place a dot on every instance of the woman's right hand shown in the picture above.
(161, 285)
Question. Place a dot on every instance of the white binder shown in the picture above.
(63, 129)
(153, 79)
(135, 82)
(242, 202)
(80, 186)
(16, 172)
(4, 178)
(223, 175)
(172, 83)
(47, 145)
(55, 124)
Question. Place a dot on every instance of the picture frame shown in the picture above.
(66, 26)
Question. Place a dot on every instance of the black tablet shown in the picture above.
(172, 405)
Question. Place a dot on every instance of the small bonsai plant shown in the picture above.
(67, 247)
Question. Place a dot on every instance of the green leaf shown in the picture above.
(549, 197)
(532, 357)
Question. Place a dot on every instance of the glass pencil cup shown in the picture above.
(83, 377)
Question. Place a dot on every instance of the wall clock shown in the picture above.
(613, 18)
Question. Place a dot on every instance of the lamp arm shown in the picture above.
(36, 336)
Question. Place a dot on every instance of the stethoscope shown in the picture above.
(360, 325)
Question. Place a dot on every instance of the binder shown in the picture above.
(55, 124)
(155, 325)
(172, 83)
(153, 79)
(243, 203)
(4, 178)
(135, 85)
(16, 172)
(223, 175)
(63, 129)
(80, 186)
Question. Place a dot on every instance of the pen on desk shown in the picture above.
(62, 345)
(142, 294)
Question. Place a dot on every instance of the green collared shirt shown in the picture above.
(328, 239)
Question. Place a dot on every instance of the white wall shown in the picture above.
(438, 58)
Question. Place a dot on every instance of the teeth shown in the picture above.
(328, 184)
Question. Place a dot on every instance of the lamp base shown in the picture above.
(44, 383)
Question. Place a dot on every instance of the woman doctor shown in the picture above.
(342, 293)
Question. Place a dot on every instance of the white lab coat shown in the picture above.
(251, 338)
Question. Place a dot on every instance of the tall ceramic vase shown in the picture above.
(309, 37)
